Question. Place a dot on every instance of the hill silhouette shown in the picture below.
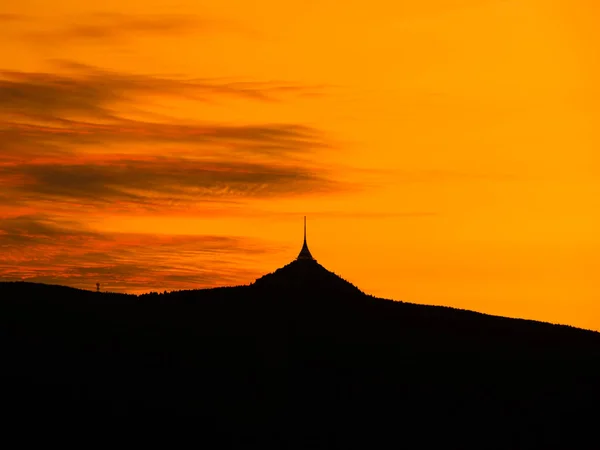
(307, 277)
(298, 359)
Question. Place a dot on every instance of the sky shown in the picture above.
(445, 152)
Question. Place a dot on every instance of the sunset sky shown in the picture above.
(446, 152)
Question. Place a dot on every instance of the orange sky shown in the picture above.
(445, 151)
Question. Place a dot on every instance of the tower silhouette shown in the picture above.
(305, 252)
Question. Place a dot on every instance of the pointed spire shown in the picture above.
(304, 228)
(305, 253)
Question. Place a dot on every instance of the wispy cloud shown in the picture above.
(156, 184)
(57, 113)
(204, 140)
(55, 130)
(43, 249)
(97, 92)
(115, 28)
(69, 147)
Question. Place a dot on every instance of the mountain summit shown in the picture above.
(305, 275)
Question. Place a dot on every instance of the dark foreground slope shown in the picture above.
(299, 359)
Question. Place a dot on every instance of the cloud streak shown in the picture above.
(55, 130)
(156, 184)
(97, 92)
(57, 114)
(203, 140)
(42, 249)
(115, 28)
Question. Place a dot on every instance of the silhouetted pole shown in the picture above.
(97, 287)
(304, 228)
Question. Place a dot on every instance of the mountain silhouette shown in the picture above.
(306, 276)
(300, 358)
